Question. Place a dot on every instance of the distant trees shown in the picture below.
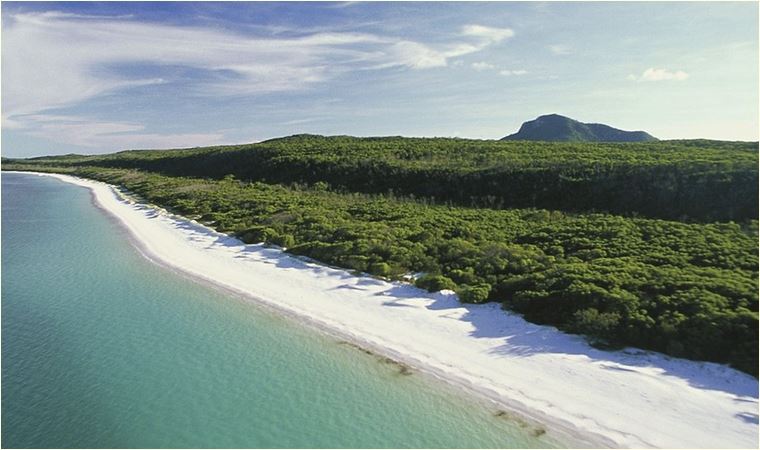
(695, 180)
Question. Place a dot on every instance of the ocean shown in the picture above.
(103, 348)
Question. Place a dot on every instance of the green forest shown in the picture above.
(680, 180)
(652, 245)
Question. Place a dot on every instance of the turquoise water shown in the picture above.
(101, 348)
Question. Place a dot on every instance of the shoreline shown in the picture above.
(581, 395)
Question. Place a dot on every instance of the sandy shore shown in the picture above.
(628, 398)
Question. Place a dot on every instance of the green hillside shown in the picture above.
(682, 180)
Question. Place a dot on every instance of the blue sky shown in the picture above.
(99, 77)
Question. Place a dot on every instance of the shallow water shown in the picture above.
(102, 348)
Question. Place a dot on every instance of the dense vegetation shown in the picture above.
(698, 181)
(553, 127)
(686, 289)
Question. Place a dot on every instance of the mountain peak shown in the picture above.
(553, 116)
(555, 127)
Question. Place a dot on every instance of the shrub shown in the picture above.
(257, 234)
(355, 262)
(284, 240)
(435, 283)
(474, 294)
(380, 269)
(593, 323)
(466, 276)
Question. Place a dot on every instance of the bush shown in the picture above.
(466, 276)
(257, 234)
(355, 262)
(593, 323)
(284, 240)
(435, 283)
(380, 269)
(474, 294)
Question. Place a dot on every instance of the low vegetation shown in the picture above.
(686, 289)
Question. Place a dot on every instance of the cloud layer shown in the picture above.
(111, 135)
(55, 60)
(653, 74)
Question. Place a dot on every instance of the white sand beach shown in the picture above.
(628, 398)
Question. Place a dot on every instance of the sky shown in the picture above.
(87, 77)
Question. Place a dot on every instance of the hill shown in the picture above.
(553, 127)
(696, 180)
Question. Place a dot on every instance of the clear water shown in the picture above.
(101, 348)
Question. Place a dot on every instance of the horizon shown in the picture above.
(234, 144)
(93, 78)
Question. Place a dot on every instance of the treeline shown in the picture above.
(680, 180)
(685, 289)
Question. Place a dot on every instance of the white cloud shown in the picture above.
(489, 33)
(110, 136)
(421, 56)
(653, 74)
(341, 5)
(560, 49)
(301, 121)
(512, 72)
(482, 66)
(414, 55)
(55, 60)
